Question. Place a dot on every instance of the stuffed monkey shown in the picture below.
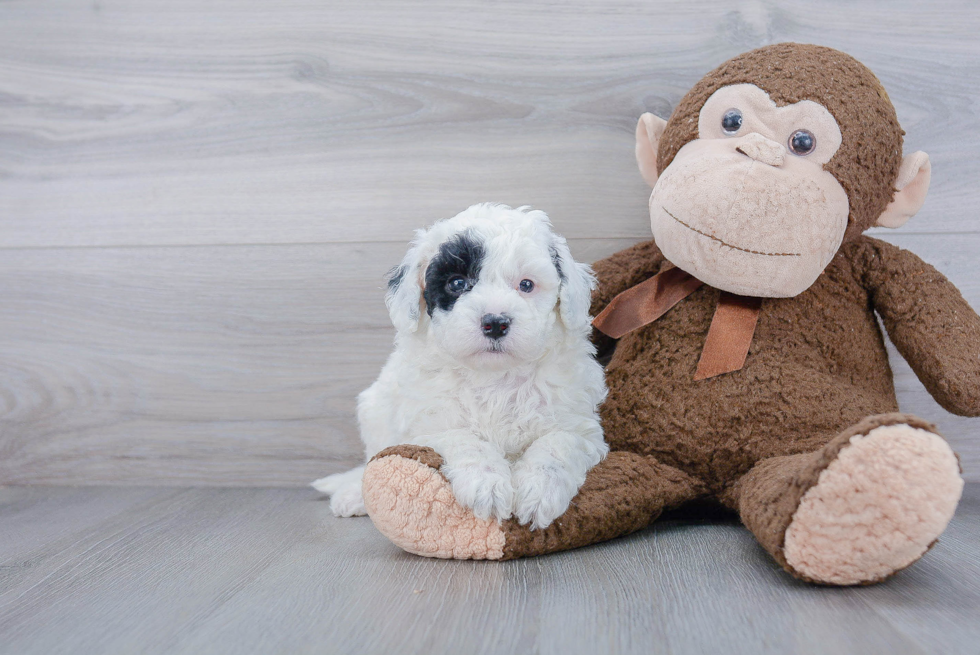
(746, 363)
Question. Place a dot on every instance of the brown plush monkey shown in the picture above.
(767, 388)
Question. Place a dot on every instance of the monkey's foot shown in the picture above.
(876, 508)
(412, 504)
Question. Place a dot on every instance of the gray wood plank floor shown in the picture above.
(198, 200)
(155, 570)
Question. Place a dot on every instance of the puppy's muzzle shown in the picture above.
(495, 326)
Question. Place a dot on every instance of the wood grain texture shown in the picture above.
(217, 365)
(271, 571)
(197, 203)
(229, 365)
(129, 123)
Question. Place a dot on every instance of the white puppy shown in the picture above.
(492, 368)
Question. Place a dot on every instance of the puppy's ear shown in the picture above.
(577, 283)
(404, 297)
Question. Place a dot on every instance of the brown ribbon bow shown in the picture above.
(730, 333)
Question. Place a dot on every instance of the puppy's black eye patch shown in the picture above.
(452, 272)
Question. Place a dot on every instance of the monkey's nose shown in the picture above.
(494, 326)
(761, 149)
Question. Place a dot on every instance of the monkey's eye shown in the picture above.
(526, 286)
(457, 284)
(731, 122)
(802, 142)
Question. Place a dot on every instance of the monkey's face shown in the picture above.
(747, 207)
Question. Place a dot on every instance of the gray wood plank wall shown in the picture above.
(198, 201)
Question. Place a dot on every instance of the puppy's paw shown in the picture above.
(348, 502)
(344, 490)
(542, 494)
(485, 488)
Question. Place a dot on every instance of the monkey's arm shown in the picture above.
(616, 274)
(930, 323)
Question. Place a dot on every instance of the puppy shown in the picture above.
(492, 367)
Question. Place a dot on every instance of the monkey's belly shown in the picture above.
(787, 399)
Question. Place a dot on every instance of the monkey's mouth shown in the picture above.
(728, 245)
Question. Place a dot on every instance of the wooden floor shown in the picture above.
(155, 570)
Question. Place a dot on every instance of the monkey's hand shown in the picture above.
(929, 322)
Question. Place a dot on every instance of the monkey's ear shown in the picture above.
(648, 132)
(912, 185)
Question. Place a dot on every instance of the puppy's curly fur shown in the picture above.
(492, 367)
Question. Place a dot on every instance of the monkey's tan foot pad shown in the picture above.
(876, 508)
(412, 504)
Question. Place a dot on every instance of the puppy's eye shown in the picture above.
(526, 286)
(457, 284)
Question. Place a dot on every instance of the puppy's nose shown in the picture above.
(494, 325)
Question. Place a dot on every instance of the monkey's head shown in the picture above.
(770, 163)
